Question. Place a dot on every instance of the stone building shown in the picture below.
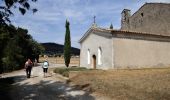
(135, 45)
(151, 18)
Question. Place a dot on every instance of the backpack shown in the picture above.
(28, 64)
(45, 64)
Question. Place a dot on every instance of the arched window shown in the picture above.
(88, 56)
(99, 56)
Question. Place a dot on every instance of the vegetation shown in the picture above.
(67, 45)
(65, 71)
(7, 6)
(111, 26)
(55, 49)
(143, 84)
(15, 43)
(16, 46)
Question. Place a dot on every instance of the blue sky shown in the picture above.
(48, 24)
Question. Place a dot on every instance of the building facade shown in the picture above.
(150, 18)
(125, 48)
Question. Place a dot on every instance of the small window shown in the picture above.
(99, 56)
(88, 56)
(142, 14)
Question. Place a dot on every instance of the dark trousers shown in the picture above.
(45, 70)
(28, 72)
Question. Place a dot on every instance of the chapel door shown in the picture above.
(94, 61)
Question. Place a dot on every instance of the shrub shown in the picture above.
(65, 71)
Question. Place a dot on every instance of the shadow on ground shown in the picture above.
(5, 87)
(41, 90)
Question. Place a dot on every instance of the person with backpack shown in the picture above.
(28, 67)
(45, 67)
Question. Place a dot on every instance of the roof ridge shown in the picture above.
(118, 30)
(136, 32)
(157, 3)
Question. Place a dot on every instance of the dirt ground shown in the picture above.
(37, 87)
(143, 84)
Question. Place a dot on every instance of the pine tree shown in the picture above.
(67, 45)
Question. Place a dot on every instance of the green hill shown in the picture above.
(58, 49)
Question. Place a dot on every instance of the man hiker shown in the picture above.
(28, 67)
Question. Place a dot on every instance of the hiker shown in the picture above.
(28, 67)
(45, 67)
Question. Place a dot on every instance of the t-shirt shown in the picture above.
(28, 64)
(45, 64)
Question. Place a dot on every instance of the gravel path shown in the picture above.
(39, 88)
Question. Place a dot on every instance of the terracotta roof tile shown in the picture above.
(124, 31)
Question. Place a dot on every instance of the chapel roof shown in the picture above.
(113, 31)
(124, 31)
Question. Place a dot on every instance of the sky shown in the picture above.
(48, 24)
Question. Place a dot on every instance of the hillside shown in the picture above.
(54, 48)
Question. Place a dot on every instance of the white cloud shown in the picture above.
(68, 13)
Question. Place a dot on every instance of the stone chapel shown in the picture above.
(143, 40)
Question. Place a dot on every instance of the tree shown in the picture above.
(13, 58)
(67, 45)
(7, 5)
(15, 43)
(4, 37)
(16, 46)
(111, 26)
(37, 49)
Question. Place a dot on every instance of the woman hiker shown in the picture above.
(45, 67)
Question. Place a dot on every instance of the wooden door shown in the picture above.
(94, 61)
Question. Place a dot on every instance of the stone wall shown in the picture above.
(151, 18)
(137, 53)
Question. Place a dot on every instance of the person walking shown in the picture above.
(28, 67)
(45, 67)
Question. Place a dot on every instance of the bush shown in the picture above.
(65, 71)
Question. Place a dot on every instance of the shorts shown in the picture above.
(45, 70)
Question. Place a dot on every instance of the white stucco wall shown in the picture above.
(131, 53)
(93, 42)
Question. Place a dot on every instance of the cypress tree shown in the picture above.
(111, 26)
(67, 45)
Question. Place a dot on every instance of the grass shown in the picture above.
(65, 71)
(5, 87)
(144, 84)
(60, 60)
